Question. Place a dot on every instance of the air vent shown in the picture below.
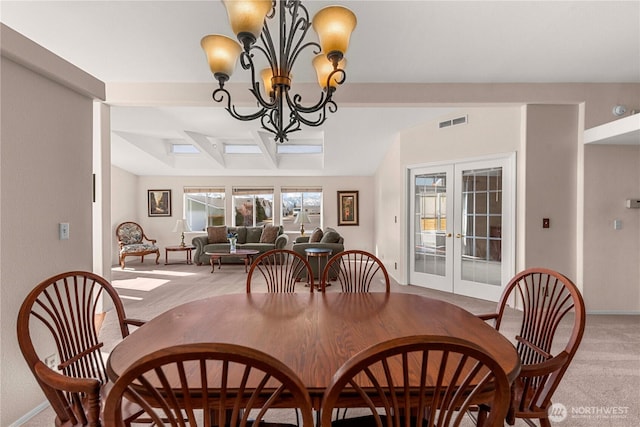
(453, 122)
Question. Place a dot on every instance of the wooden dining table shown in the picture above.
(313, 333)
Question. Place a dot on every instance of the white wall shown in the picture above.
(129, 200)
(611, 257)
(45, 179)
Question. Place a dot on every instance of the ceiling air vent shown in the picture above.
(453, 122)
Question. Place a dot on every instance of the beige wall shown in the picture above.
(611, 257)
(389, 211)
(129, 203)
(45, 179)
(124, 202)
(546, 139)
(488, 131)
(550, 184)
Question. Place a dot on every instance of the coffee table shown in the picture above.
(240, 253)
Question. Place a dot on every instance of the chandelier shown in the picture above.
(279, 111)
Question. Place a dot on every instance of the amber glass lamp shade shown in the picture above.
(334, 25)
(324, 67)
(247, 17)
(222, 53)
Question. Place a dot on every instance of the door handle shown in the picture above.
(458, 235)
(448, 234)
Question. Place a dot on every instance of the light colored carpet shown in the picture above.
(600, 388)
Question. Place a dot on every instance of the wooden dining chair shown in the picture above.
(59, 316)
(546, 345)
(209, 384)
(279, 270)
(356, 271)
(417, 380)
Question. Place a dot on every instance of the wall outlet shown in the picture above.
(52, 361)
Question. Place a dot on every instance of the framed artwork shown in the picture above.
(159, 202)
(348, 208)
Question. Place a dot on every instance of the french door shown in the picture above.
(462, 234)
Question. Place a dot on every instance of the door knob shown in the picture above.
(448, 234)
(458, 235)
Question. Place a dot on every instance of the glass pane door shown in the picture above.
(481, 225)
(475, 202)
(484, 249)
(431, 258)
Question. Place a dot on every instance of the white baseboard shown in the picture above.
(32, 413)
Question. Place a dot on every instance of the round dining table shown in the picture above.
(312, 333)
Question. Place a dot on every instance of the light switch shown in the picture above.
(545, 223)
(617, 224)
(63, 229)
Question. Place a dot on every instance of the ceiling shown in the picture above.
(141, 42)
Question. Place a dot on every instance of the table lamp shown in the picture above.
(181, 226)
(301, 219)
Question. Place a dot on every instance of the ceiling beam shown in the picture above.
(213, 151)
(268, 147)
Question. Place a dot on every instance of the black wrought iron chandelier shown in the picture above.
(279, 111)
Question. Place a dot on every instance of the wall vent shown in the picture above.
(453, 122)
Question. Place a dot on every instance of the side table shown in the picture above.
(320, 254)
(186, 248)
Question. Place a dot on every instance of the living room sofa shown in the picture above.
(327, 239)
(261, 238)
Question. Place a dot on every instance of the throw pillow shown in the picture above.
(269, 234)
(254, 234)
(330, 237)
(316, 235)
(217, 234)
(242, 234)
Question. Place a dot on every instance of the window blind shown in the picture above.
(204, 190)
(247, 191)
(301, 190)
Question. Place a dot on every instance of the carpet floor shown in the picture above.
(600, 388)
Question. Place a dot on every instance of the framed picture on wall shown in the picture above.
(159, 202)
(348, 208)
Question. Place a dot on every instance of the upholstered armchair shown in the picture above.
(131, 239)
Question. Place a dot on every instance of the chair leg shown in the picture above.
(482, 415)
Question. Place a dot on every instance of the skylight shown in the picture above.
(184, 149)
(241, 149)
(299, 149)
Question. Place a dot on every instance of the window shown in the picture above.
(295, 200)
(204, 207)
(252, 206)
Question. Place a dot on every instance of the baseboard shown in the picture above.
(32, 413)
(613, 312)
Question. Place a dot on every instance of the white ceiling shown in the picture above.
(394, 42)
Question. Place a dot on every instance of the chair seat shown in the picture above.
(138, 248)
